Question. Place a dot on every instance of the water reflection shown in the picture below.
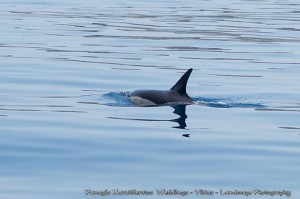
(179, 110)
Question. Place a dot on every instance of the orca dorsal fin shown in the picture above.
(180, 86)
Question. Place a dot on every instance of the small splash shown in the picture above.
(225, 103)
(119, 99)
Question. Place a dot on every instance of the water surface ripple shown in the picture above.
(65, 127)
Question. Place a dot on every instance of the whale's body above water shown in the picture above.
(176, 95)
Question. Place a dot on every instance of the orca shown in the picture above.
(176, 95)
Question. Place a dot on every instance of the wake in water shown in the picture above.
(121, 99)
(225, 103)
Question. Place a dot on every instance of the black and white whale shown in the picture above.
(176, 95)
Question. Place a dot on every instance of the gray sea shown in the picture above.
(68, 129)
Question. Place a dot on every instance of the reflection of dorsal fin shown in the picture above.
(180, 86)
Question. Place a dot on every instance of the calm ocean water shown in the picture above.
(66, 125)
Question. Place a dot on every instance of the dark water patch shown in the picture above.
(209, 85)
(20, 109)
(21, 57)
(11, 109)
(58, 35)
(87, 28)
(77, 51)
(289, 128)
(84, 30)
(114, 63)
(66, 15)
(277, 63)
(289, 29)
(89, 90)
(74, 25)
(59, 46)
(125, 69)
(294, 106)
(63, 111)
(143, 37)
(95, 103)
(135, 119)
(121, 58)
(134, 28)
(20, 12)
(108, 45)
(231, 75)
(269, 40)
(40, 108)
(290, 108)
(17, 46)
(255, 52)
(6, 56)
(58, 97)
(86, 51)
(56, 106)
(220, 58)
(51, 106)
(276, 68)
(89, 56)
(124, 52)
(146, 25)
(99, 24)
(140, 16)
(277, 109)
(191, 48)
